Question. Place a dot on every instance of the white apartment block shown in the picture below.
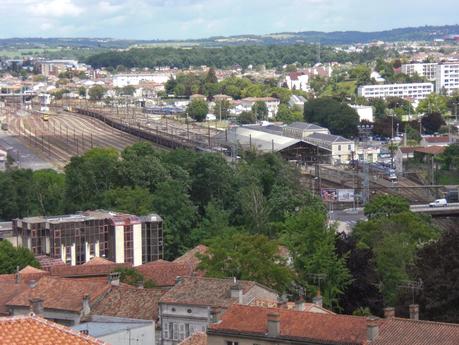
(411, 91)
(447, 78)
(422, 69)
(122, 80)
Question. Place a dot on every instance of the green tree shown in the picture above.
(247, 117)
(82, 91)
(260, 110)
(247, 257)
(338, 117)
(135, 200)
(133, 277)
(449, 159)
(432, 122)
(211, 76)
(287, 115)
(48, 188)
(222, 109)
(127, 90)
(312, 245)
(96, 92)
(198, 109)
(385, 206)
(433, 103)
(11, 258)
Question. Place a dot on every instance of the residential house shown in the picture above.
(246, 104)
(191, 304)
(297, 101)
(297, 81)
(34, 330)
(440, 140)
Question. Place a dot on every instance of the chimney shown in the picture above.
(236, 291)
(299, 305)
(318, 300)
(389, 312)
(32, 283)
(36, 306)
(86, 307)
(273, 324)
(372, 328)
(414, 311)
(114, 278)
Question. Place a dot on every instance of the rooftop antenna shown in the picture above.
(413, 286)
(318, 278)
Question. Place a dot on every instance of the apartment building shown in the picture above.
(411, 91)
(122, 80)
(427, 70)
(75, 239)
(447, 78)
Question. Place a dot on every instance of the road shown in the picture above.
(24, 157)
(452, 207)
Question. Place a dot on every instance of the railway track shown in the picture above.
(65, 135)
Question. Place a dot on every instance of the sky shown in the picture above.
(182, 19)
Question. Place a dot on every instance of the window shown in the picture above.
(174, 331)
(339, 147)
(187, 330)
(166, 331)
(232, 343)
(349, 147)
(189, 311)
(181, 331)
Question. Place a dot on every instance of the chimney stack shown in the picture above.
(36, 306)
(389, 312)
(273, 324)
(299, 305)
(372, 328)
(414, 311)
(318, 300)
(86, 307)
(236, 291)
(114, 278)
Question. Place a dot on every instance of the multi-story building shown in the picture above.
(193, 302)
(122, 80)
(447, 78)
(75, 239)
(426, 70)
(411, 91)
(298, 81)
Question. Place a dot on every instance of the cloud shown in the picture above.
(55, 8)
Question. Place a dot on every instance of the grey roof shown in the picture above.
(330, 138)
(102, 328)
(304, 125)
(273, 129)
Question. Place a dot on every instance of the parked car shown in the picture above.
(439, 203)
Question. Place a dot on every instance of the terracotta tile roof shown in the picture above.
(33, 330)
(432, 150)
(129, 302)
(98, 261)
(85, 270)
(61, 293)
(204, 291)
(190, 256)
(8, 290)
(330, 329)
(23, 277)
(164, 273)
(411, 332)
(407, 149)
(46, 262)
(198, 338)
(437, 139)
(30, 269)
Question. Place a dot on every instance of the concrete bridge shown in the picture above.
(451, 210)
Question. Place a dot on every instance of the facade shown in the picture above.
(301, 130)
(191, 304)
(427, 70)
(76, 239)
(341, 148)
(297, 81)
(412, 91)
(122, 80)
(365, 112)
(447, 78)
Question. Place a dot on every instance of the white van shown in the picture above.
(439, 203)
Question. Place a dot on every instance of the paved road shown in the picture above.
(21, 153)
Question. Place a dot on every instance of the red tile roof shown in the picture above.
(164, 273)
(411, 332)
(85, 270)
(98, 261)
(204, 291)
(33, 330)
(190, 257)
(437, 139)
(30, 269)
(8, 290)
(129, 302)
(47, 262)
(61, 293)
(198, 338)
(332, 329)
(431, 150)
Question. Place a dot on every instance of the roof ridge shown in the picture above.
(424, 321)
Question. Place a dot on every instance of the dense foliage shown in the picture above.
(12, 258)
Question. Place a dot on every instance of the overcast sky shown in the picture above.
(179, 19)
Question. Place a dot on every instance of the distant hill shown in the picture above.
(423, 33)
